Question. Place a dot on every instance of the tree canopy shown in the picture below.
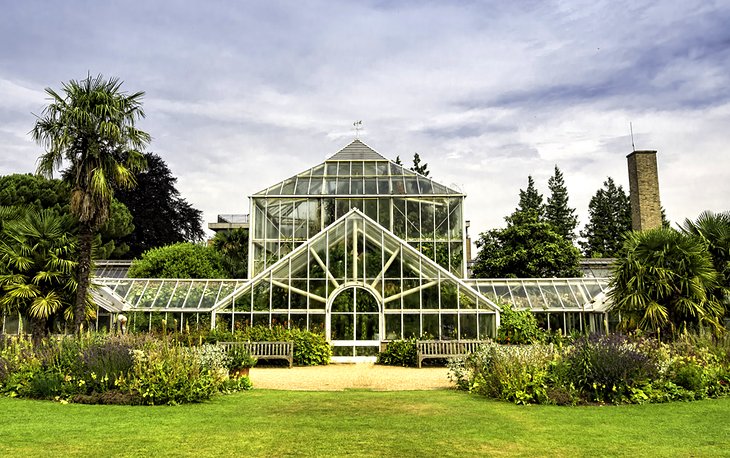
(91, 125)
(179, 260)
(557, 211)
(609, 219)
(26, 190)
(170, 219)
(526, 248)
(531, 201)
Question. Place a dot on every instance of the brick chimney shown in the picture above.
(646, 210)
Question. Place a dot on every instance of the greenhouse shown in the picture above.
(358, 247)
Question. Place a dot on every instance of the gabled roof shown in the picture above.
(357, 170)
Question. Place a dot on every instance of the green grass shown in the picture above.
(363, 423)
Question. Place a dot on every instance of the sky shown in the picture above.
(241, 95)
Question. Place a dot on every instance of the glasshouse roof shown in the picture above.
(547, 294)
(162, 295)
(357, 169)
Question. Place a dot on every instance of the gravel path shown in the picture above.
(338, 377)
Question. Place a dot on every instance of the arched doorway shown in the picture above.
(354, 322)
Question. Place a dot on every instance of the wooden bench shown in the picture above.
(445, 348)
(265, 350)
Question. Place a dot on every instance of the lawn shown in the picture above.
(363, 423)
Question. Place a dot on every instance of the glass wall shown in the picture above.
(427, 215)
(353, 273)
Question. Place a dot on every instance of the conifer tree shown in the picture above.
(609, 218)
(417, 167)
(557, 211)
(531, 201)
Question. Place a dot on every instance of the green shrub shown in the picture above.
(518, 327)
(180, 260)
(512, 373)
(606, 367)
(400, 353)
(310, 349)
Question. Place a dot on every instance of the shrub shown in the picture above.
(518, 327)
(400, 353)
(605, 367)
(310, 349)
(511, 373)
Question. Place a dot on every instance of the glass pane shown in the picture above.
(342, 326)
(392, 327)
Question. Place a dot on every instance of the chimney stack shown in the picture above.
(646, 210)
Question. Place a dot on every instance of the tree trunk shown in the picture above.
(38, 329)
(83, 271)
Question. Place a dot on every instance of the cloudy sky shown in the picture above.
(240, 95)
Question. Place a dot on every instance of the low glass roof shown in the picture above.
(357, 169)
(164, 295)
(547, 294)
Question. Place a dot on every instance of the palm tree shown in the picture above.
(91, 125)
(233, 245)
(37, 265)
(714, 230)
(664, 279)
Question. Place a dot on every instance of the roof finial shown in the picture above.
(358, 127)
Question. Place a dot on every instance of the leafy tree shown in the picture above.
(663, 280)
(31, 190)
(609, 218)
(531, 201)
(25, 190)
(37, 266)
(169, 220)
(233, 246)
(180, 260)
(526, 248)
(91, 125)
(714, 230)
(418, 168)
(557, 211)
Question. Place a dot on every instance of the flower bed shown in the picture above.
(598, 369)
(97, 368)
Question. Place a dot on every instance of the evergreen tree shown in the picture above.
(557, 211)
(418, 168)
(171, 219)
(609, 218)
(531, 201)
(397, 160)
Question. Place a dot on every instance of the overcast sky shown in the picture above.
(240, 95)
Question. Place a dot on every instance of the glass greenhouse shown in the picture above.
(359, 247)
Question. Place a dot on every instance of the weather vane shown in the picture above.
(358, 127)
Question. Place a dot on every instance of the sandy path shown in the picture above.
(337, 377)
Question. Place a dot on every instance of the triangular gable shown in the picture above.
(357, 151)
(356, 170)
(356, 250)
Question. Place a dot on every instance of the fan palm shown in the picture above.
(665, 278)
(91, 126)
(37, 252)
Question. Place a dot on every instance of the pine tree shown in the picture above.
(610, 218)
(397, 160)
(417, 167)
(530, 201)
(557, 211)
